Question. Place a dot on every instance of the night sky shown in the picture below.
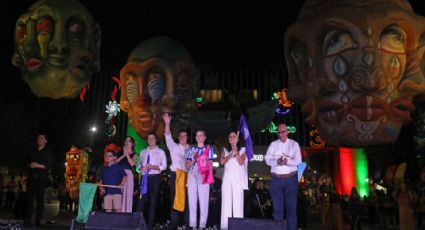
(216, 34)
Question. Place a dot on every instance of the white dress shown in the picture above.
(235, 180)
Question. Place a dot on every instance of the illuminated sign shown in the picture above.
(258, 157)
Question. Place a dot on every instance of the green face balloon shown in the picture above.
(57, 48)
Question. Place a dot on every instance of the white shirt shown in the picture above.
(177, 152)
(157, 158)
(234, 172)
(289, 150)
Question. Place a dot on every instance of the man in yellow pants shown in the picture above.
(178, 152)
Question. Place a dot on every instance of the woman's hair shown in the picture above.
(205, 134)
(238, 144)
(132, 141)
(202, 131)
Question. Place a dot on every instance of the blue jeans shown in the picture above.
(284, 196)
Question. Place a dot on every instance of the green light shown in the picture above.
(361, 172)
(199, 99)
(292, 129)
(272, 128)
(274, 96)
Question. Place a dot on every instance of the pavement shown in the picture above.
(61, 221)
(64, 219)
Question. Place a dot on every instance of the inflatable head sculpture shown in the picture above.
(159, 77)
(356, 67)
(57, 45)
(76, 171)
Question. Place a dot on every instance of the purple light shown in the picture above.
(282, 113)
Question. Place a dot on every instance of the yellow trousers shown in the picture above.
(180, 197)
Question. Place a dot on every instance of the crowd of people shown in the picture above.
(391, 206)
(191, 195)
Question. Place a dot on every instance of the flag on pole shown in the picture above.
(85, 201)
(301, 168)
(144, 182)
(243, 128)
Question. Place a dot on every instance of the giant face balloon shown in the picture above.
(75, 171)
(57, 48)
(356, 66)
(158, 77)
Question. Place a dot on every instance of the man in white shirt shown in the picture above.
(284, 155)
(152, 161)
(178, 154)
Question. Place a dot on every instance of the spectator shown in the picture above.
(63, 197)
(325, 190)
(11, 187)
(260, 201)
(354, 209)
(389, 208)
(22, 196)
(404, 199)
(41, 161)
(335, 220)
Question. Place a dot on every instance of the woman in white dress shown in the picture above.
(235, 179)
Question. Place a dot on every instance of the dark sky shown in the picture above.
(214, 33)
(248, 34)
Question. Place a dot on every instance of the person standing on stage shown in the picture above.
(178, 153)
(284, 155)
(197, 186)
(235, 179)
(152, 162)
(127, 161)
(41, 161)
(114, 178)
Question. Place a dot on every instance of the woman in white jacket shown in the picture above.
(235, 179)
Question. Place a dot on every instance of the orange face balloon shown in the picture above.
(355, 66)
(159, 77)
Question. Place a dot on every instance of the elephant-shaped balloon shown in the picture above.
(159, 77)
(57, 45)
(356, 67)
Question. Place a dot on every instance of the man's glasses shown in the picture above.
(282, 131)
